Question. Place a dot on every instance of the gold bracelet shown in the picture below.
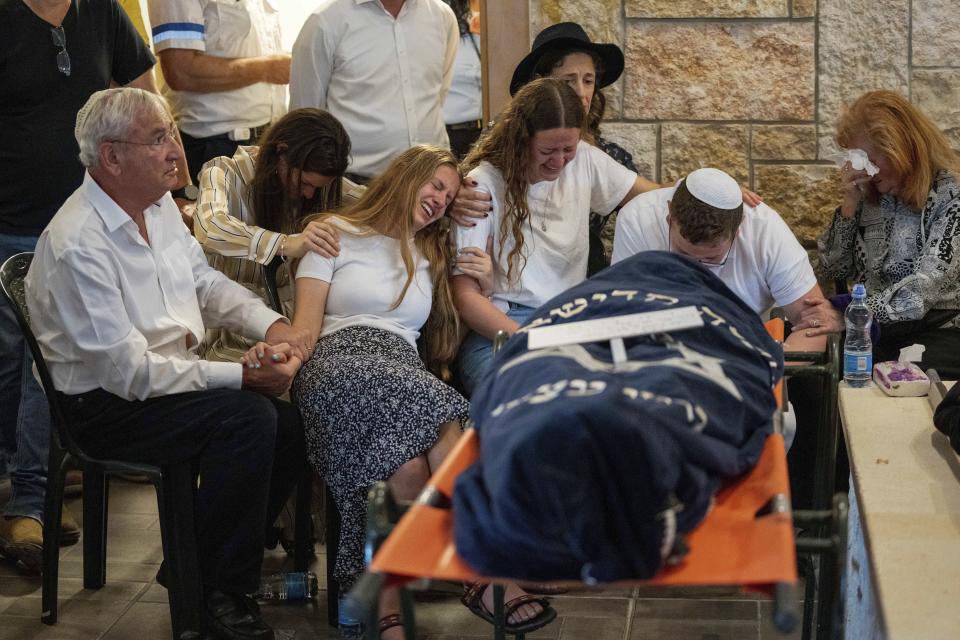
(282, 249)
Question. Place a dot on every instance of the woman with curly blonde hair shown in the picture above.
(543, 181)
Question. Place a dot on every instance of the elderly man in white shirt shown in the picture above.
(383, 68)
(119, 294)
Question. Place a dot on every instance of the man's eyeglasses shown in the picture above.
(715, 265)
(63, 58)
(710, 264)
(170, 135)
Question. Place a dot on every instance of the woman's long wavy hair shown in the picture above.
(552, 59)
(387, 207)
(915, 146)
(306, 140)
(539, 105)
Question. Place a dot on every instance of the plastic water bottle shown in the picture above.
(300, 585)
(349, 628)
(858, 347)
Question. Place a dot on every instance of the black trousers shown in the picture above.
(247, 448)
(461, 140)
(200, 150)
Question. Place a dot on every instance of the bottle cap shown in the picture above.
(859, 291)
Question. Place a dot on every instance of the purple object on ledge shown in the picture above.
(901, 379)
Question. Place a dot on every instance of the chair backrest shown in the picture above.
(12, 274)
(270, 282)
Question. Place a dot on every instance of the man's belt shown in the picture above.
(242, 134)
(469, 125)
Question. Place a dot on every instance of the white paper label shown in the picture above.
(634, 324)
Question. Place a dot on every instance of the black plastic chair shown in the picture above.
(303, 536)
(175, 486)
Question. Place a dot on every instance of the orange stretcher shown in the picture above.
(750, 522)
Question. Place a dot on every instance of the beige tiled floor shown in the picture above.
(133, 607)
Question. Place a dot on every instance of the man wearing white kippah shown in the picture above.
(751, 249)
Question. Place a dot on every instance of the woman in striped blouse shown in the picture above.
(252, 204)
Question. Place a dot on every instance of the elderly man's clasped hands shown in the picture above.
(270, 365)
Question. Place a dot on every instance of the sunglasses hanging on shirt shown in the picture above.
(60, 41)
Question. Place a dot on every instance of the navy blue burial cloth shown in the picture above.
(594, 473)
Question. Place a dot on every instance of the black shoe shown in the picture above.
(161, 576)
(230, 617)
(249, 601)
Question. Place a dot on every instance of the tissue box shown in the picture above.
(901, 379)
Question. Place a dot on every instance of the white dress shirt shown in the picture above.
(384, 78)
(466, 92)
(766, 264)
(111, 311)
(225, 29)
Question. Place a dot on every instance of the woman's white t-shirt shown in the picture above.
(556, 236)
(365, 280)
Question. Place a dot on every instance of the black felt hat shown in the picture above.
(568, 35)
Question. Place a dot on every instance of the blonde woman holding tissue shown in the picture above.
(897, 228)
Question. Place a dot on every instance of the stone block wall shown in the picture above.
(754, 87)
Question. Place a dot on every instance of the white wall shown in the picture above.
(293, 13)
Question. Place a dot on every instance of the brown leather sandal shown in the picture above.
(389, 622)
(545, 589)
(473, 599)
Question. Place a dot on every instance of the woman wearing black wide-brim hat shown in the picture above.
(555, 54)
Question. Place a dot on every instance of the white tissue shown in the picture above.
(859, 161)
(913, 353)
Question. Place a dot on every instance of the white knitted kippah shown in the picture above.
(715, 188)
(82, 116)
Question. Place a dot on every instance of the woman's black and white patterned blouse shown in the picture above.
(909, 262)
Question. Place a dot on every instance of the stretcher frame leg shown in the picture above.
(832, 552)
(827, 521)
(826, 366)
(499, 624)
(806, 567)
(784, 607)
(407, 614)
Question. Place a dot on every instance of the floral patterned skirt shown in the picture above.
(369, 405)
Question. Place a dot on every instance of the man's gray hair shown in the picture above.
(108, 115)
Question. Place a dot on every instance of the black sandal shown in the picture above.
(473, 599)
